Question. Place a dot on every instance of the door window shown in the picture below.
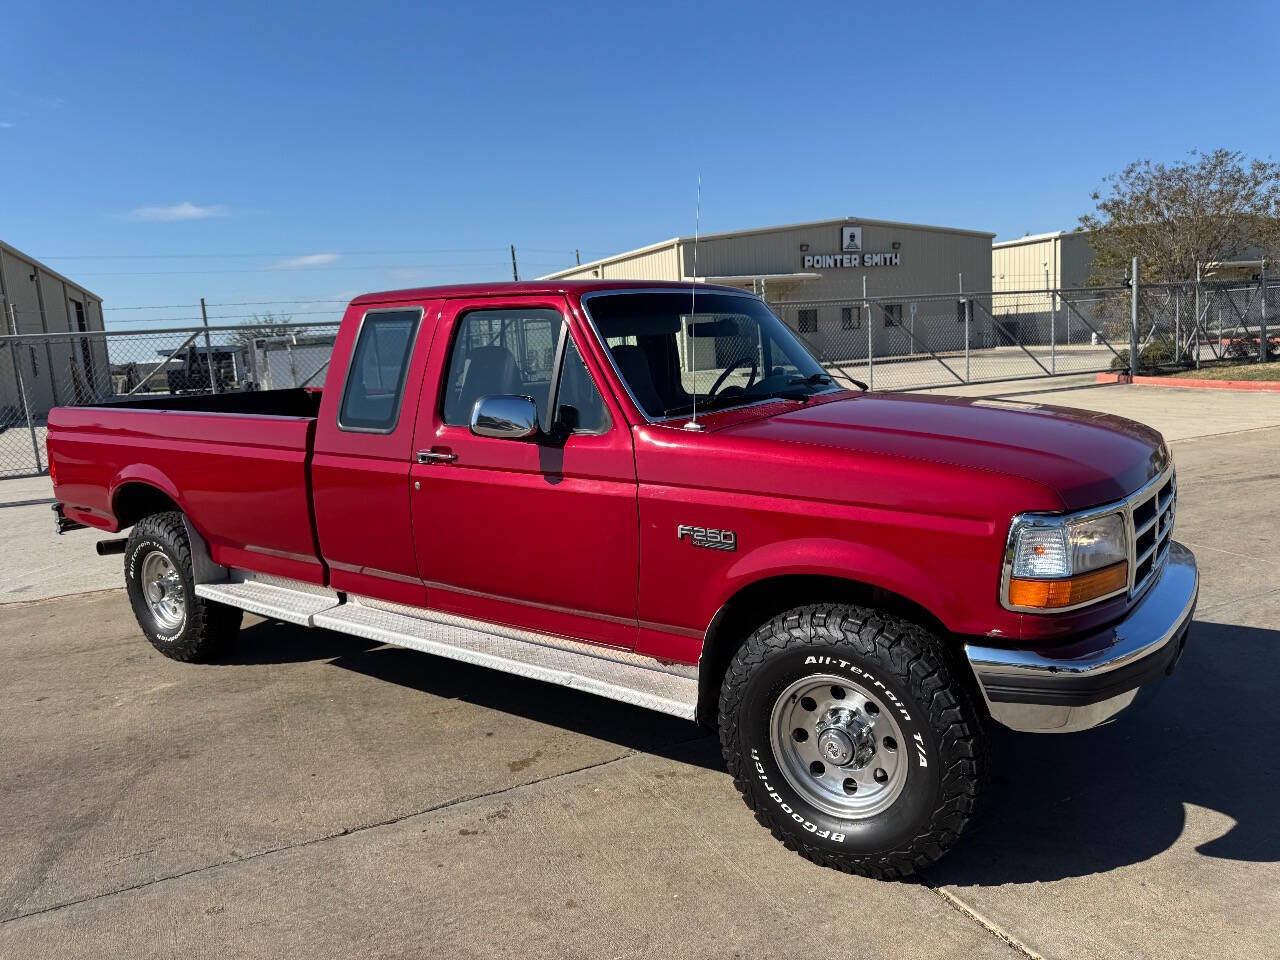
(578, 402)
(376, 375)
(512, 351)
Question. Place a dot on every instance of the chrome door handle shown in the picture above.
(436, 456)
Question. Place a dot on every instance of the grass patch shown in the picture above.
(1230, 371)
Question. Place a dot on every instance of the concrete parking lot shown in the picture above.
(316, 795)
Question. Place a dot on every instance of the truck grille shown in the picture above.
(1151, 513)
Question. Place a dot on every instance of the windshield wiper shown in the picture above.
(817, 378)
(814, 379)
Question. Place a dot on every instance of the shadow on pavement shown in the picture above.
(1078, 804)
(270, 641)
(1063, 806)
(627, 726)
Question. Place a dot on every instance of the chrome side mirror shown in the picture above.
(505, 417)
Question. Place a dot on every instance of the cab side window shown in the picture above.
(512, 351)
(378, 367)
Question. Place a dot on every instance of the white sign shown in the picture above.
(837, 261)
(850, 239)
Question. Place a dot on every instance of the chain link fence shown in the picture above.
(42, 371)
(890, 343)
(912, 343)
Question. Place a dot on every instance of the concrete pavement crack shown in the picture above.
(346, 832)
(993, 928)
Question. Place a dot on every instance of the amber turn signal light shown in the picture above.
(1050, 594)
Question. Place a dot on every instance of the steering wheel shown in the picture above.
(755, 371)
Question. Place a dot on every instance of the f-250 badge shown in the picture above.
(707, 537)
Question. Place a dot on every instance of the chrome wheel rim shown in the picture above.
(163, 591)
(838, 746)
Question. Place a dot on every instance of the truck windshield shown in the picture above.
(732, 351)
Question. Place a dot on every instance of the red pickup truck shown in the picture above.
(656, 493)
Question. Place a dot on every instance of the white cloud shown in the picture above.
(5, 125)
(178, 211)
(307, 260)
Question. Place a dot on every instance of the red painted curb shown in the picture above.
(1264, 386)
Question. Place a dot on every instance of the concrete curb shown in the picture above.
(1265, 386)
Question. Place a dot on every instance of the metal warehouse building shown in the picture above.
(40, 300)
(820, 269)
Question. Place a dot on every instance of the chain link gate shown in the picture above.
(916, 342)
(910, 342)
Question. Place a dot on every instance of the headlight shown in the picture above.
(1058, 562)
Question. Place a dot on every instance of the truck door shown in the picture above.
(538, 533)
(364, 448)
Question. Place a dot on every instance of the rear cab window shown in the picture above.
(374, 389)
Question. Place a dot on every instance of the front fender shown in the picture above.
(862, 563)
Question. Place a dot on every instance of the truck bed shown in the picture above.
(235, 463)
(298, 402)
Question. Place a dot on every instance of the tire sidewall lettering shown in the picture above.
(135, 551)
(816, 826)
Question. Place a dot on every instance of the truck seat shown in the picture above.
(490, 371)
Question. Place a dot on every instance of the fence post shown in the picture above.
(22, 387)
(968, 325)
(871, 373)
(1197, 316)
(1177, 326)
(1262, 328)
(208, 348)
(1053, 326)
(1133, 321)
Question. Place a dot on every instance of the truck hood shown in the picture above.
(1085, 458)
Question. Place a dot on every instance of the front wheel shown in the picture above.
(847, 735)
(157, 573)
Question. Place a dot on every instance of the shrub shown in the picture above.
(1156, 354)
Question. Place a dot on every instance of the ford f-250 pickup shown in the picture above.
(656, 493)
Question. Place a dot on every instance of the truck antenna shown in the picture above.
(693, 303)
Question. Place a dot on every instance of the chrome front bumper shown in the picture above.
(1080, 685)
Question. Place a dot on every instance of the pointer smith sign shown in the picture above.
(850, 255)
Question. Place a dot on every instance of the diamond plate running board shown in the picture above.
(619, 675)
(280, 599)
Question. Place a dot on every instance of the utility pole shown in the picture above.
(577, 257)
(208, 348)
(515, 274)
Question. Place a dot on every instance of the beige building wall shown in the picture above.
(1054, 260)
(924, 268)
(55, 371)
(660, 261)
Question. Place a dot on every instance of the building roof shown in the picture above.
(755, 231)
(15, 252)
(1040, 237)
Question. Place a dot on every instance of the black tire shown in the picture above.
(205, 628)
(903, 665)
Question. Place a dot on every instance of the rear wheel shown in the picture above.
(850, 740)
(157, 571)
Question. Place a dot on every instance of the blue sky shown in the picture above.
(338, 148)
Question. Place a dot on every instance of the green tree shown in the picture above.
(1211, 207)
